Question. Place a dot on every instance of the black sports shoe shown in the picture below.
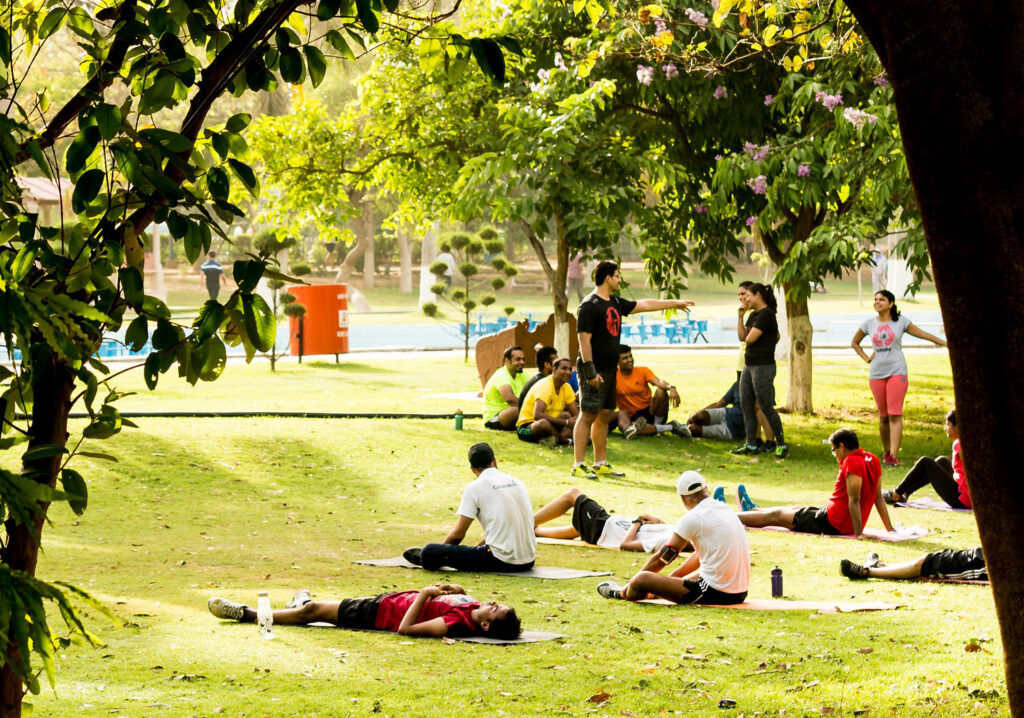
(767, 447)
(413, 555)
(852, 570)
(745, 450)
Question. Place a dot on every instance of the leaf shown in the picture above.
(86, 189)
(81, 148)
(131, 285)
(100, 455)
(215, 360)
(108, 120)
(76, 490)
(211, 316)
(489, 57)
(151, 371)
(391, 5)
(972, 648)
(599, 698)
(866, 650)
(165, 336)
(431, 52)
(247, 273)
(367, 17)
(327, 9)
(237, 123)
(291, 67)
(171, 142)
(23, 261)
(193, 243)
(137, 333)
(218, 183)
(273, 274)
(316, 63)
(244, 173)
(260, 324)
(338, 43)
(43, 451)
(106, 424)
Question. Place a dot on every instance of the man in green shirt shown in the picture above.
(501, 393)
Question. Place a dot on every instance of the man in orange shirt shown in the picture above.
(640, 412)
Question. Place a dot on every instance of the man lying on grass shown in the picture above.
(442, 609)
(948, 564)
(596, 526)
(718, 571)
(858, 488)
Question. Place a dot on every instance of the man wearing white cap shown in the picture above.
(718, 571)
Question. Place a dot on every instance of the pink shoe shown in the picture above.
(890, 460)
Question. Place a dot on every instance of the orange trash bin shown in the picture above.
(325, 323)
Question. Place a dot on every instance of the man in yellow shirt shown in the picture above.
(550, 407)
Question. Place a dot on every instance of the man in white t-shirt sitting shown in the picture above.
(503, 506)
(592, 523)
(718, 571)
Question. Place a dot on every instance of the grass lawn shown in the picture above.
(205, 507)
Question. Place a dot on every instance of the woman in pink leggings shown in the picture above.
(888, 368)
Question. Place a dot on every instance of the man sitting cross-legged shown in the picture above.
(443, 609)
(501, 393)
(642, 413)
(502, 504)
(596, 526)
(965, 565)
(550, 408)
(718, 571)
(858, 488)
(724, 420)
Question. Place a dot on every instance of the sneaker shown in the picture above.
(607, 471)
(851, 570)
(890, 460)
(719, 494)
(781, 451)
(413, 555)
(679, 430)
(746, 503)
(871, 560)
(633, 430)
(301, 598)
(887, 497)
(745, 450)
(223, 608)
(609, 589)
(582, 472)
(766, 447)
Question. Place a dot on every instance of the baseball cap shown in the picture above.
(690, 482)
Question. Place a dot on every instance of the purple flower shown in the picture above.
(644, 74)
(543, 75)
(858, 117)
(559, 61)
(718, 157)
(803, 171)
(659, 26)
(769, 100)
(751, 221)
(759, 184)
(670, 70)
(830, 102)
(881, 80)
(756, 153)
(701, 209)
(697, 17)
(720, 92)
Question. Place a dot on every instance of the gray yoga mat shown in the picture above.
(524, 637)
(551, 572)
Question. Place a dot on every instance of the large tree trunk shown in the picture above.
(556, 277)
(800, 369)
(404, 262)
(364, 237)
(51, 388)
(957, 70)
(369, 257)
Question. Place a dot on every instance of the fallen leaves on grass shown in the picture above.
(826, 710)
(599, 698)
(973, 648)
(866, 650)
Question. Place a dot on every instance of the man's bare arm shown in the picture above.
(667, 555)
(459, 530)
(853, 485)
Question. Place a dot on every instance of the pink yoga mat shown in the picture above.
(926, 502)
(759, 604)
(872, 533)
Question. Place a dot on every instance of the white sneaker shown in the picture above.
(609, 589)
(223, 608)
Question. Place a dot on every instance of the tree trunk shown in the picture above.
(800, 374)
(428, 254)
(510, 249)
(556, 278)
(405, 262)
(369, 258)
(52, 384)
(957, 70)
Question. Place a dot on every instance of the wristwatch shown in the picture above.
(638, 520)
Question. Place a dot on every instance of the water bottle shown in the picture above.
(776, 582)
(265, 616)
(458, 419)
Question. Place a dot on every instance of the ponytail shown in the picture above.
(767, 295)
(894, 313)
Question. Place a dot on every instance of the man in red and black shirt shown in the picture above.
(858, 488)
(443, 609)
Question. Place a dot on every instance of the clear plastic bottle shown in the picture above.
(265, 616)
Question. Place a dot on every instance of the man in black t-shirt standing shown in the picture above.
(599, 324)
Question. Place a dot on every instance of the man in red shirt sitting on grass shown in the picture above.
(858, 488)
(443, 609)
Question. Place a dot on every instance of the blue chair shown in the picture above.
(700, 326)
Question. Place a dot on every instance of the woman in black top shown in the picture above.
(757, 382)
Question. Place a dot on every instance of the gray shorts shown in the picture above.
(593, 399)
(717, 429)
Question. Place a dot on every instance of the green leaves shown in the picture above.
(489, 57)
(247, 273)
(338, 43)
(131, 285)
(291, 67)
(104, 425)
(86, 189)
(137, 333)
(75, 489)
(108, 120)
(81, 148)
(217, 182)
(260, 325)
(316, 63)
(368, 12)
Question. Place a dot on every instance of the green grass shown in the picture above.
(206, 507)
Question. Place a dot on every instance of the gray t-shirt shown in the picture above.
(887, 341)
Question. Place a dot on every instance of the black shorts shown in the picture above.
(967, 565)
(645, 413)
(526, 434)
(359, 612)
(588, 517)
(593, 399)
(700, 592)
(812, 520)
(494, 424)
